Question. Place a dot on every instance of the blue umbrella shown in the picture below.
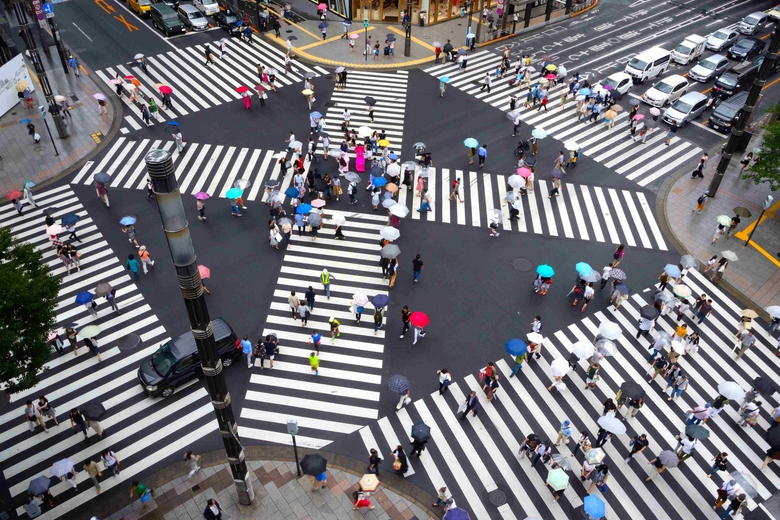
(672, 270)
(398, 384)
(456, 514)
(29, 184)
(594, 506)
(471, 142)
(516, 347)
(102, 178)
(379, 181)
(323, 25)
(380, 300)
(239, 23)
(462, 51)
(545, 271)
(584, 91)
(303, 209)
(40, 485)
(128, 221)
(444, 79)
(70, 219)
(583, 268)
(174, 123)
(392, 156)
(84, 297)
(234, 193)
(24, 121)
(315, 115)
(292, 192)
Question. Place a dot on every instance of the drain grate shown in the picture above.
(521, 264)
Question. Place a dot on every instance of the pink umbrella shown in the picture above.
(419, 319)
(322, 6)
(550, 76)
(638, 117)
(202, 195)
(318, 203)
(99, 96)
(116, 81)
(204, 271)
(354, 36)
(524, 172)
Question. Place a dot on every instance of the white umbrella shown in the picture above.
(678, 346)
(62, 467)
(612, 424)
(279, 155)
(339, 219)
(389, 203)
(582, 349)
(399, 210)
(516, 181)
(562, 71)
(559, 367)
(360, 298)
(54, 229)
(394, 170)
(295, 145)
(535, 337)
(731, 390)
(731, 256)
(774, 311)
(390, 233)
(610, 330)
(571, 145)
(364, 131)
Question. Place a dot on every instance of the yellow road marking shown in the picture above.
(321, 42)
(415, 40)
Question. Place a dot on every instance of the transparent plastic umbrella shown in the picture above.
(731, 390)
(339, 219)
(663, 297)
(774, 311)
(315, 220)
(689, 262)
(390, 233)
(606, 347)
(562, 461)
(612, 424)
(610, 330)
(399, 210)
(516, 181)
(583, 349)
(731, 256)
(242, 184)
(352, 176)
(746, 482)
(390, 251)
(592, 277)
(559, 367)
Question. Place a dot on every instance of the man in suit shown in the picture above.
(471, 405)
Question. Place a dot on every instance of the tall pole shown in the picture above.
(471, 15)
(159, 165)
(479, 24)
(746, 113)
(408, 40)
(32, 49)
(295, 450)
(46, 122)
(60, 45)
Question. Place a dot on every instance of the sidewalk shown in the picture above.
(279, 493)
(23, 159)
(755, 278)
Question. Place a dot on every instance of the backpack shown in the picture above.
(355, 495)
(701, 199)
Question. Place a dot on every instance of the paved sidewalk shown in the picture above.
(23, 159)
(756, 275)
(279, 495)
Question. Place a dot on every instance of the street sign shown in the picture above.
(39, 14)
(365, 23)
(48, 10)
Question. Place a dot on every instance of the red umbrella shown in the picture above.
(419, 319)
(129, 77)
(204, 271)
(242, 89)
(14, 195)
(165, 89)
(259, 88)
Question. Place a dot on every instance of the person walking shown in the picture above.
(638, 444)
(246, 348)
(143, 255)
(132, 265)
(425, 201)
(719, 463)
(745, 340)
(564, 434)
(33, 415)
(700, 203)
(314, 363)
(417, 266)
(110, 462)
(209, 55)
(617, 256)
(678, 385)
(378, 319)
(325, 278)
(92, 345)
(143, 492)
(445, 379)
(94, 472)
(444, 496)
(373, 462)
(310, 296)
(486, 83)
(482, 153)
(469, 405)
(213, 511)
(721, 268)
(102, 193)
(519, 360)
(405, 319)
(74, 64)
(191, 461)
(703, 310)
(735, 221)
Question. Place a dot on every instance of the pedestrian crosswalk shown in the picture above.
(196, 86)
(143, 432)
(477, 459)
(580, 211)
(345, 394)
(614, 148)
(389, 89)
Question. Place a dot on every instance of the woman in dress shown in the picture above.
(360, 159)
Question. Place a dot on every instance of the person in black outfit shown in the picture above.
(417, 447)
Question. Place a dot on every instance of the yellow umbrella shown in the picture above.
(369, 483)
(749, 313)
(307, 92)
(383, 142)
(21, 86)
(611, 114)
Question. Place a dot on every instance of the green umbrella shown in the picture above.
(90, 331)
(724, 220)
(29, 184)
(558, 479)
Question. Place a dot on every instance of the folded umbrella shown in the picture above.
(84, 297)
(62, 467)
(102, 178)
(103, 289)
(313, 464)
(545, 271)
(516, 347)
(421, 432)
(93, 410)
(697, 431)
(390, 250)
(612, 424)
(648, 312)
(683, 291)
(419, 319)
(558, 479)
(610, 330)
(389, 232)
(380, 300)
(70, 219)
(672, 270)
(583, 349)
(632, 390)
(731, 390)
(594, 507)
(398, 384)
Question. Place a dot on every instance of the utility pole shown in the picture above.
(746, 114)
(408, 40)
(479, 24)
(365, 34)
(49, 12)
(32, 49)
(159, 165)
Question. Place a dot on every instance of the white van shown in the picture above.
(690, 49)
(648, 64)
(207, 7)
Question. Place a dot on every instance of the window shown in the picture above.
(186, 363)
(700, 105)
(163, 360)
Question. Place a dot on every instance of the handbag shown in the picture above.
(397, 464)
(278, 237)
(462, 407)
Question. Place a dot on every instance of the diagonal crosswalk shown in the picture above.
(197, 87)
(345, 395)
(641, 163)
(486, 446)
(141, 431)
(580, 211)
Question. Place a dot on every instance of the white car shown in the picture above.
(619, 81)
(666, 91)
(722, 39)
(207, 7)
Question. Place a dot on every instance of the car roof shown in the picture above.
(716, 58)
(185, 345)
(749, 39)
(674, 79)
(693, 97)
(187, 8)
(619, 75)
(724, 29)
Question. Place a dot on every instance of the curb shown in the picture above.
(118, 499)
(594, 4)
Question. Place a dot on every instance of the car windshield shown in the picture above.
(163, 360)
(744, 45)
(195, 14)
(681, 106)
(752, 20)
(708, 64)
(608, 82)
(637, 64)
(663, 87)
(727, 112)
(683, 49)
(230, 18)
(721, 35)
(728, 79)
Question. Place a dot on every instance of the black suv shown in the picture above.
(177, 361)
(227, 21)
(165, 18)
(746, 48)
(736, 79)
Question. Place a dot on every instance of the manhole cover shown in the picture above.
(80, 50)
(129, 342)
(500, 496)
(288, 31)
(521, 264)
(329, 104)
(39, 148)
(329, 76)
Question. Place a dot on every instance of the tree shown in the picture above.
(767, 169)
(27, 313)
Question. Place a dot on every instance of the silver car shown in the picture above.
(707, 69)
(686, 109)
(192, 18)
(722, 39)
(752, 22)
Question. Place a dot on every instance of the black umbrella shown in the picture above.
(763, 385)
(377, 171)
(93, 410)
(530, 161)
(634, 102)
(697, 431)
(48, 212)
(421, 432)
(39, 486)
(313, 464)
(398, 384)
(632, 390)
(319, 185)
(649, 312)
(369, 100)
(291, 38)
(272, 184)
(622, 288)
(391, 37)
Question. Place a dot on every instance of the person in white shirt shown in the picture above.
(605, 275)
(444, 381)
(191, 460)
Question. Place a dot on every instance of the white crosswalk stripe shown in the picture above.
(579, 211)
(196, 87)
(641, 163)
(344, 397)
(489, 442)
(137, 428)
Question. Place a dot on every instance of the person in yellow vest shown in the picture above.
(325, 278)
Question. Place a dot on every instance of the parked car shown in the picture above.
(178, 361)
(166, 19)
(746, 48)
(752, 22)
(686, 109)
(227, 21)
(722, 39)
(192, 18)
(666, 91)
(707, 69)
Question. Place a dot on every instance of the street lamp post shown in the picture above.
(767, 203)
(159, 164)
(408, 40)
(292, 429)
(365, 34)
(48, 130)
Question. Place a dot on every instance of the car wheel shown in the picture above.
(167, 391)
(226, 362)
